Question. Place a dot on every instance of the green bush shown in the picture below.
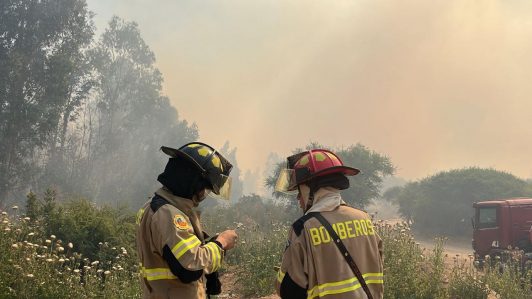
(466, 282)
(409, 270)
(83, 223)
(507, 276)
(34, 264)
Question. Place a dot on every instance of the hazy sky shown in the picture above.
(432, 84)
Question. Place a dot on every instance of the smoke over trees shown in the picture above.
(83, 115)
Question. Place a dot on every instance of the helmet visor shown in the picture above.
(224, 191)
(286, 182)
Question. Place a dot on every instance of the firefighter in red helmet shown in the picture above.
(178, 259)
(333, 250)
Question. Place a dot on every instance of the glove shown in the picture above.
(214, 286)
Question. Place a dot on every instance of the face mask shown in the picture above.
(199, 197)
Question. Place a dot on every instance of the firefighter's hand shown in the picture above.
(227, 239)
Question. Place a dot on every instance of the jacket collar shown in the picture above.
(183, 204)
(325, 200)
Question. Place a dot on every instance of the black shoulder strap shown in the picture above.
(299, 224)
(344, 252)
(157, 202)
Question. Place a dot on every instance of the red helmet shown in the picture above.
(308, 165)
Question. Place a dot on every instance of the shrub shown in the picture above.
(36, 265)
(83, 223)
(409, 270)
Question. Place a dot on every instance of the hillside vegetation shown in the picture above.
(76, 249)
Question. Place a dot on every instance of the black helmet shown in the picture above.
(214, 168)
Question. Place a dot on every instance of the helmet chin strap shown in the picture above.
(310, 200)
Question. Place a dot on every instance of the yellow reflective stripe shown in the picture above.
(339, 291)
(217, 255)
(182, 242)
(187, 248)
(212, 256)
(218, 252)
(139, 215)
(373, 274)
(154, 270)
(318, 290)
(350, 280)
(157, 274)
(185, 245)
(280, 276)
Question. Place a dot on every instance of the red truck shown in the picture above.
(502, 224)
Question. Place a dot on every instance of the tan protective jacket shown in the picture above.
(314, 265)
(169, 230)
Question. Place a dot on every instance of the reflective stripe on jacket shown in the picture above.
(173, 257)
(312, 265)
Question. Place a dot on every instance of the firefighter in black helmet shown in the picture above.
(178, 259)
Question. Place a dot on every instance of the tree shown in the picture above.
(442, 203)
(133, 119)
(364, 186)
(41, 43)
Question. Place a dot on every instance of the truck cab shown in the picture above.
(502, 224)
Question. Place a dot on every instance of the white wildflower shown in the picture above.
(70, 245)
(7, 229)
(4, 213)
(15, 207)
(29, 275)
(52, 237)
(60, 249)
(99, 271)
(27, 218)
(31, 234)
(48, 241)
(14, 246)
(49, 260)
(95, 263)
(61, 260)
(76, 270)
(107, 272)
